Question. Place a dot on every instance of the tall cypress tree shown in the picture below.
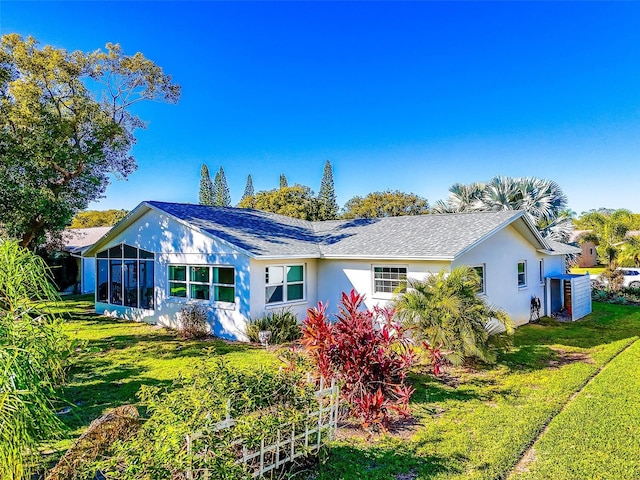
(221, 193)
(283, 181)
(248, 188)
(205, 196)
(327, 203)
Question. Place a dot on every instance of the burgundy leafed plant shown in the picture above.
(367, 352)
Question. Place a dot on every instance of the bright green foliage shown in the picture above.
(248, 188)
(205, 194)
(447, 312)
(542, 199)
(97, 218)
(283, 325)
(283, 181)
(221, 195)
(260, 400)
(32, 355)
(297, 202)
(608, 231)
(385, 204)
(327, 203)
(59, 144)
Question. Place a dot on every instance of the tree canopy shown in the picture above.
(97, 218)
(542, 199)
(385, 204)
(60, 143)
(297, 202)
(248, 188)
(221, 195)
(327, 203)
(205, 193)
(609, 232)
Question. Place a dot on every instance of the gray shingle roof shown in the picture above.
(78, 239)
(264, 234)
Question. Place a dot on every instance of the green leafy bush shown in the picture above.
(260, 401)
(193, 321)
(33, 351)
(283, 325)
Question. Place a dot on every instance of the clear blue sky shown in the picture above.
(411, 96)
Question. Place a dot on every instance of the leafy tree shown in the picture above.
(205, 195)
(385, 204)
(59, 143)
(221, 194)
(283, 181)
(327, 203)
(448, 313)
(97, 218)
(32, 354)
(542, 199)
(297, 202)
(608, 231)
(248, 188)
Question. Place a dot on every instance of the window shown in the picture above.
(541, 272)
(480, 271)
(387, 279)
(125, 277)
(284, 283)
(522, 274)
(202, 283)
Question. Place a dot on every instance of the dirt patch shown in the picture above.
(403, 428)
(527, 459)
(565, 358)
(407, 476)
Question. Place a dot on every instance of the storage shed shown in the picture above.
(568, 294)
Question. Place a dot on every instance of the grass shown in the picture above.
(478, 426)
(474, 424)
(597, 270)
(114, 358)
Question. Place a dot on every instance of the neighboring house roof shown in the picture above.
(267, 235)
(563, 249)
(77, 240)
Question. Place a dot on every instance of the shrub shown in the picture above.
(260, 401)
(368, 353)
(33, 351)
(194, 321)
(450, 316)
(283, 325)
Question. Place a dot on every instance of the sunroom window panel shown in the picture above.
(224, 294)
(103, 281)
(178, 273)
(178, 289)
(199, 274)
(130, 252)
(115, 252)
(199, 292)
(115, 288)
(223, 275)
(130, 281)
(146, 255)
(145, 295)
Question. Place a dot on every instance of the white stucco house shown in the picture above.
(241, 263)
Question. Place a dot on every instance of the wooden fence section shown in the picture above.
(290, 443)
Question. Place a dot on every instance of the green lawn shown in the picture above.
(597, 270)
(480, 428)
(474, 424)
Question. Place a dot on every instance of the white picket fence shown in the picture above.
(290, 443)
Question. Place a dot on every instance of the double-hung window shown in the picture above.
(202, 283)
(284, 283)
(541, 271)
(386, 279)
(522, 274)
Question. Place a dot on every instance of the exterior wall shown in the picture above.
(589, 255)
(580, 297)
(173, 243)
(258, 305)
(500, 255)
(337, 276)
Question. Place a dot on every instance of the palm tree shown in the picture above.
(608, 231)
(542, 199)
(446, 311)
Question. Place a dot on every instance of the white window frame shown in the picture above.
(377, 294)
(211, 284)
(285, 284)
(541, 271)
(524, 273)
(483, 278)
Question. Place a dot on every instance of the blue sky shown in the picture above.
(413, 96)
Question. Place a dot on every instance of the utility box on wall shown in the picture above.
(568, 296)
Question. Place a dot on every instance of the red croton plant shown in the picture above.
(367, 352)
